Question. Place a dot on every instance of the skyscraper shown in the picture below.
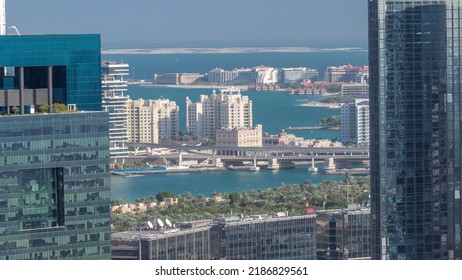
(114, 87)
(228, 109)
(415, 114)
(54, 167)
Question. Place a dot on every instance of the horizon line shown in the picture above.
(224, 50)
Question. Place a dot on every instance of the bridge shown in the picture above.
(274, 155)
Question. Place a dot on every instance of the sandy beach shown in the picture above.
(325, 105)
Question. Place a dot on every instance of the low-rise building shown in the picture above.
(264, 237)
(239, 137)
(355, 89)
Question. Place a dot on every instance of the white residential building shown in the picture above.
(114, 87)
(355, 122)
(226, 110)
(295, 75)
(265, 75)
(355, 89)
(152, 120)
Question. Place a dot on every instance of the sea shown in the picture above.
(274, 110)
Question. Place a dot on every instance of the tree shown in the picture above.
(59, 108)
(164, 194)
(42, 108)
(14, 110)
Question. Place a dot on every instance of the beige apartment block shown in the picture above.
(151, 120)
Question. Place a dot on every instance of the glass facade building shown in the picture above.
(170, 244)
(54, 167)
(67, 64)
(54, 189)
(264, 238)
(415, 117)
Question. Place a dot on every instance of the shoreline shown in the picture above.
(324, 105)
(242, 88)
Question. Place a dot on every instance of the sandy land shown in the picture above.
(224, 50)
(325, 105)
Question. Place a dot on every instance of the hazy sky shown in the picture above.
(198, 23)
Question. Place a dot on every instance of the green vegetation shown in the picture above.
(291, 198)
(59, 108)
(14, 110)
(333, 121)
(43, 108)
(338, 99)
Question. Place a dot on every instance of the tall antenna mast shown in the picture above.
(2, 18)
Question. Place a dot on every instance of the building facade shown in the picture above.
(355, 122)
(343, 74)
(227, 110)
(67, 71)
(416, 154)
(54, 167)
(54, 186)
(240, 137)
(165, 244)
(296, 75)
(152, 120)
(355, 89)
(264, 238)
(114, 93)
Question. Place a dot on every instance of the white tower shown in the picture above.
(2, 18)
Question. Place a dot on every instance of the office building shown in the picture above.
(227, 110)
(359, 234)
(415, 110)
(355, 122)
(343, 234)
(264, 237)
(54, 167)
(114, 92)
(190, 242)
(152, 120)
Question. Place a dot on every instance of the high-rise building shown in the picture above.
(54, 167)
(114, 88)
(227, 110)
(415, 115)
(151, 120)
(355, 121)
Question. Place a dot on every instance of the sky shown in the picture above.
(198, 23)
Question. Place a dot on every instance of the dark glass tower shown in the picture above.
(415, 117)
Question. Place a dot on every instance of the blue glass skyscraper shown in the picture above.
(54, 166)
(415, 115)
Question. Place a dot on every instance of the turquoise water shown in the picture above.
(146, 65)
(275, 110)
(205, 183)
